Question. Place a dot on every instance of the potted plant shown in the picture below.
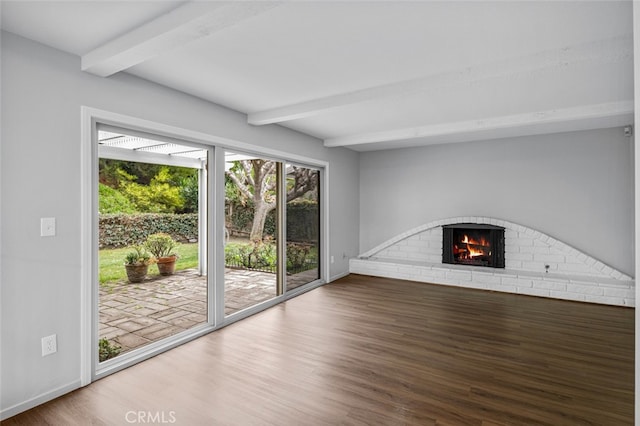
(136, 263)
(161, 246)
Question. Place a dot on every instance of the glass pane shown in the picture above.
(303, 226)
(251, 231)
(152, 285)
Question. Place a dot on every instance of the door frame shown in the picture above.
(89, 206)
(101, 369)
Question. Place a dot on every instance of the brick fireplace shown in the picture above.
(534, 263)
(473, 244)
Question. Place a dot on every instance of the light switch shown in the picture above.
(47, 226)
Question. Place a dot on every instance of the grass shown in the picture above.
(111, 262)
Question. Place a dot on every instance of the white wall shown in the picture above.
(40, 169)
(576, 187)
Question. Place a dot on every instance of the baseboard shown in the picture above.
(38, 400)
(338, 276)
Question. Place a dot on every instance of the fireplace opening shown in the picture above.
(473, 244)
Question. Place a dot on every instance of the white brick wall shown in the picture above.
(425, 246)
(535, 264)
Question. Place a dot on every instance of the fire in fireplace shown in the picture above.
(473, 244)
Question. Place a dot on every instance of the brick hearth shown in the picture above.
(535, 264)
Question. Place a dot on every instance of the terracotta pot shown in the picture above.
(136, 273)
(167, 265)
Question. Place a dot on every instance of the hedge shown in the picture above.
(302, 221)
(241, 219)
(121, 230)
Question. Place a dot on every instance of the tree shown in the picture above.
(152, 188)
(256, 181)
(189, 190)
(114, 172)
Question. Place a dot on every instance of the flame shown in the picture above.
(473, 252)
(481, 242)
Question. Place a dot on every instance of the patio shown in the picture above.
(133, 315)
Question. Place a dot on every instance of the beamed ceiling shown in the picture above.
(364, 75)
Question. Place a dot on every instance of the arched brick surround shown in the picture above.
(535, 264)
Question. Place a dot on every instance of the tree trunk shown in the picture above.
(255, 179)
(259, 218)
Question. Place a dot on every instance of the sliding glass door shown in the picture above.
(251, 231)
(171, 258)
(152, 251)
(303, 226)
(272, 229)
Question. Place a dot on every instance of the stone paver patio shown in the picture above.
(132, 315)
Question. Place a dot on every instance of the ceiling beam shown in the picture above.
(556, 120)
(186, 23)
(560, 59)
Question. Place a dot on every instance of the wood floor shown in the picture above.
(373, 351)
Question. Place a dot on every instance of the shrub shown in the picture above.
(264, 255)
(297, 255)
(261, 256)
(157, 197)
(107, 350)
(113, 201)
(121, 230)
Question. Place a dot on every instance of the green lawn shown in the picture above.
(111, 262)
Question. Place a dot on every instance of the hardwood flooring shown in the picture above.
(374, 351)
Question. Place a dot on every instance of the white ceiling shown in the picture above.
(365, 75)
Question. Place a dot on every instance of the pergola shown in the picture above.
(115, 145)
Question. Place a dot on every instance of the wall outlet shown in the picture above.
(47, 227)
(332, 259)
(49, 345)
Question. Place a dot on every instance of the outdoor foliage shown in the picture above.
(149, 188)
(113, 201)
(107, 350)
(111, 171)
(157, 197)
(240, 220)
(256, 181)
(111, 269)
(303, 219)
(137, 256)
(263, 256)
(189, 191)
(120, 230)
(260, 256)
(298, 255)
(160, 245)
